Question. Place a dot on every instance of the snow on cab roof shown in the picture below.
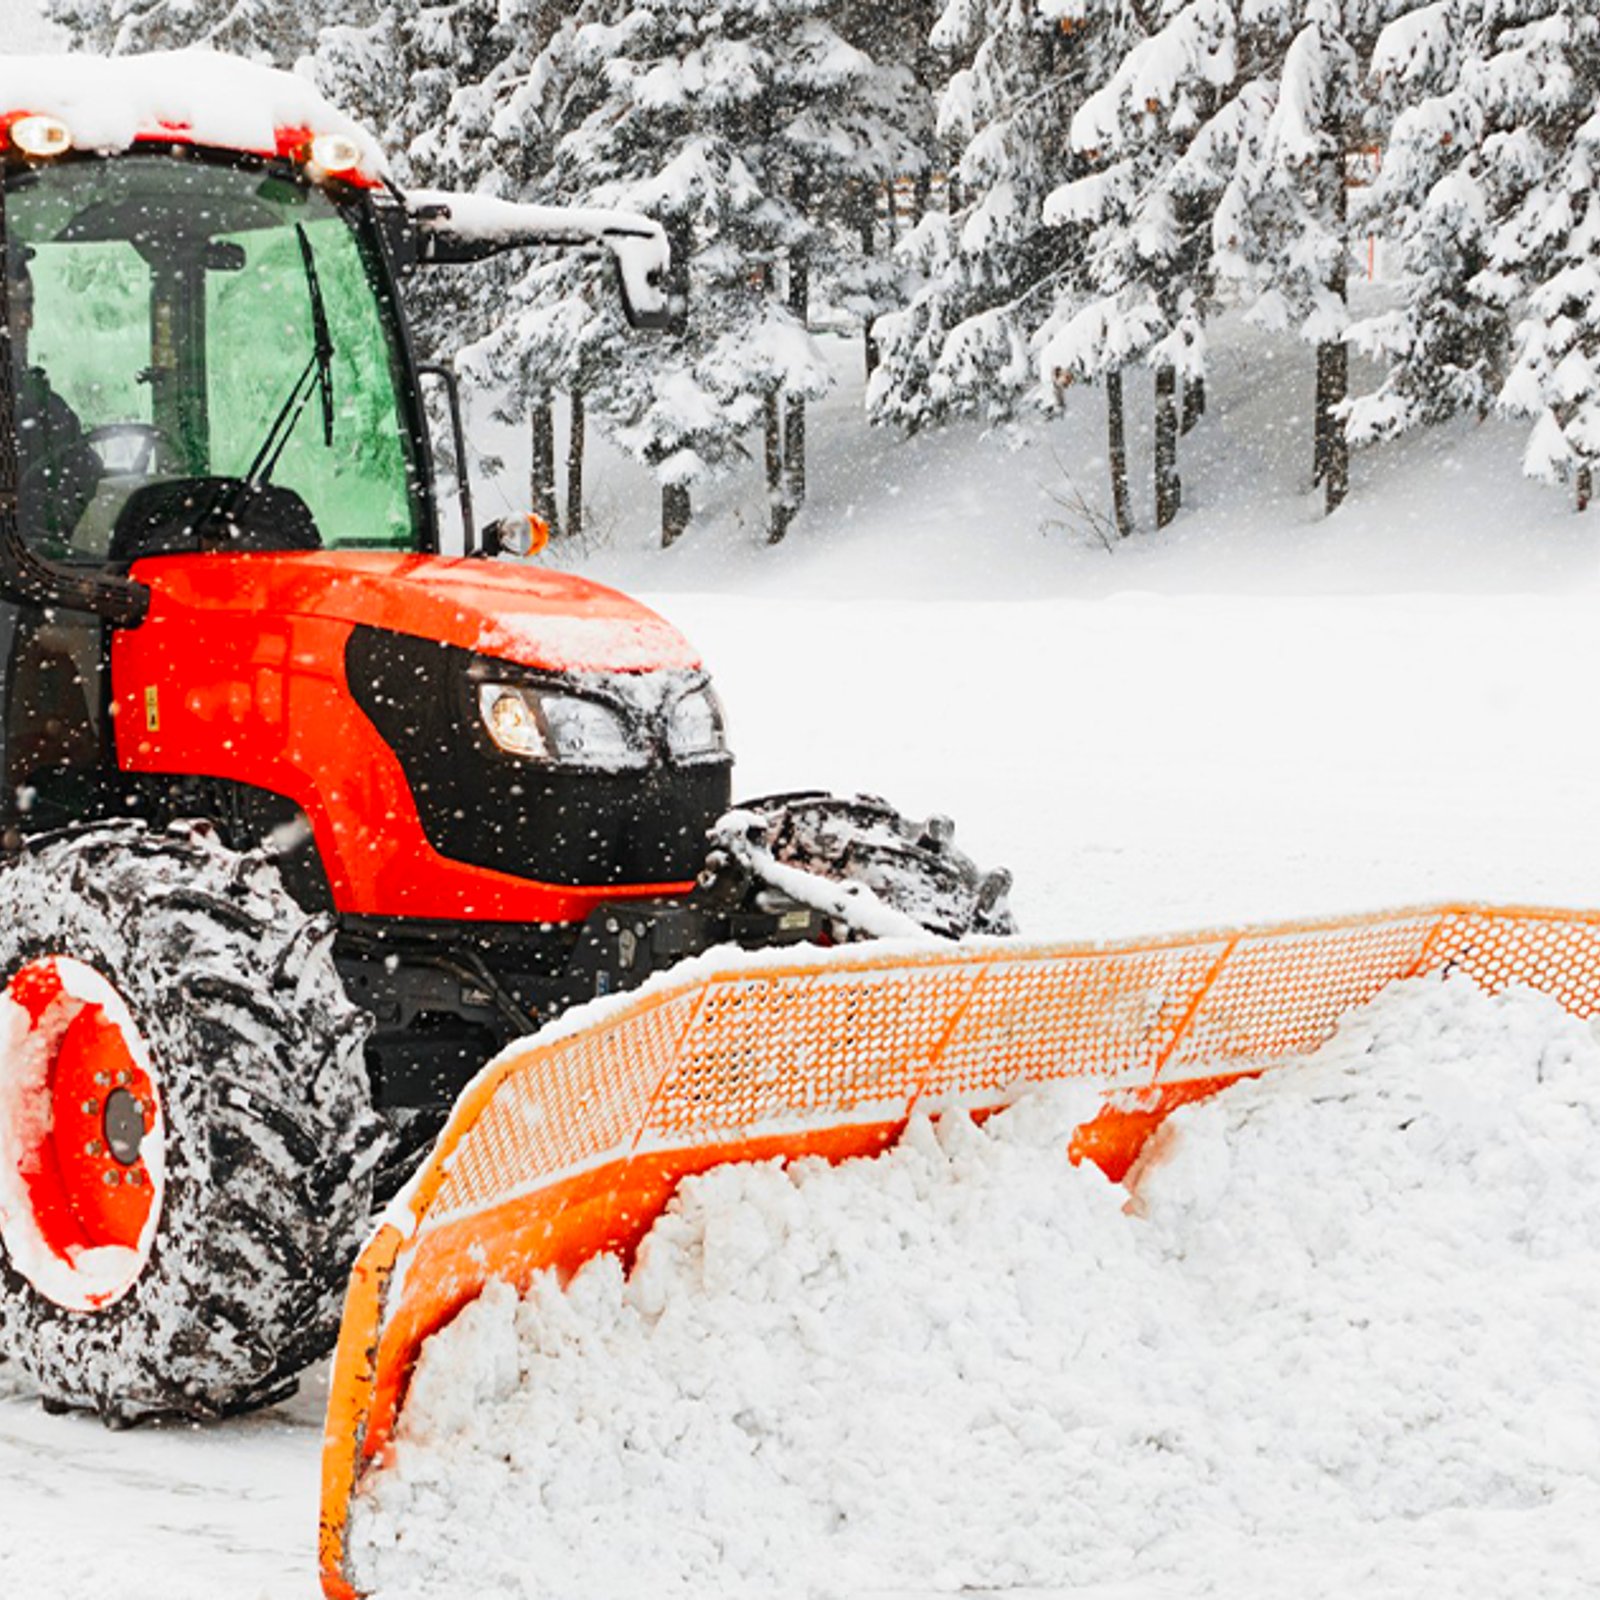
(188, 96)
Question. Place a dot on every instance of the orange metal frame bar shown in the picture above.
(572, 1145)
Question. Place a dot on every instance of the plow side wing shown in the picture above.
(572, 1143)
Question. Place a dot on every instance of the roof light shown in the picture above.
(335, 155)
(41, 137)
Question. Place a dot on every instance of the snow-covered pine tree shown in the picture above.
(264, 30)
(749, 129)
(1546, 251)
(888, 116)
(1158, 142)
(1283, 227)
(991, 265)
(1488, 168)
(1445, 344)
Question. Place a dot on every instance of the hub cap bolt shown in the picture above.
(90, 1107)
(92, 1148)
(110, 1180)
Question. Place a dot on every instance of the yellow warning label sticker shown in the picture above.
(152, 709)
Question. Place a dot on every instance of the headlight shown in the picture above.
(544, 726)
(694, 726)
(512, 718)
(585, 733)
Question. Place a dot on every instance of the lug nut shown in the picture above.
(110, 1180)
(90, 1107)
(132, 1179)
(92, 1148)
(124, 1076)
(102, 1079)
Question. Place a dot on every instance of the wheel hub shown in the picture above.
(80, 1118)
(124, 1125)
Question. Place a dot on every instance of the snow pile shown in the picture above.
(1338, 1342)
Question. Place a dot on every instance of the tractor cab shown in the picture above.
(221, 325)
(206, 358)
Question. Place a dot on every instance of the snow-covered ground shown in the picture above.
(1258, 713)
(1190, 750)
(1337, 1343)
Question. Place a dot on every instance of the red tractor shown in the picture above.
(303, 819)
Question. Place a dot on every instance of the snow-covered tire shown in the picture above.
(262, 1168)
(861, 842)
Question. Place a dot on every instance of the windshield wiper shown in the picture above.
(318, 374)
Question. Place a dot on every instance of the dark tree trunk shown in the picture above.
(1333, 384)
(1169, 487)
(1333, 355)
(869, 248)
(1194, 402)
(794, 409)
(542, 467)
(675, 512)
(1117, 432)
(575, 448)
(924, 192)
(777, 508)
(1585, 486)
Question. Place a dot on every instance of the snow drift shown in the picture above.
(1333, 1338)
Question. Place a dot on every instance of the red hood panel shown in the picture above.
(530, 615)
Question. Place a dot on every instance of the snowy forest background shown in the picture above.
(1002, 201)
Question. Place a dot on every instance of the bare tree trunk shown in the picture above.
(777, 509)
(1169, 487)
(675, 512)
(1194, 402)
(1333, 384)
(869, 248)
(1117, 432)
(1585, 486)
(576, 441)
(794, 410)
(542, 466)
(924, 192)
(1333, 355)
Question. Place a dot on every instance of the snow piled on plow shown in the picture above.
(1335, 1338)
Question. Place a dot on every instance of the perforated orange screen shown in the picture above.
(567, 1147)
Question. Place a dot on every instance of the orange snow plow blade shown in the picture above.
(573, 1143)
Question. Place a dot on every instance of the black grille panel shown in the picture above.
(549, 824)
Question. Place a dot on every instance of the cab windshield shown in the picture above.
(173, 318)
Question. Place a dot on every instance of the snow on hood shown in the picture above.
(198, 96)
(531, 615)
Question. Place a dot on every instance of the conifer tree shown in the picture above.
(991, 264)
(1548, 244)
(1159, 141)
(263, 30)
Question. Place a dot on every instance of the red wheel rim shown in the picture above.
(80, 1135)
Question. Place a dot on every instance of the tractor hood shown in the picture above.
(529, 615)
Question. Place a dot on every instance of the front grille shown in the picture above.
(477, 804)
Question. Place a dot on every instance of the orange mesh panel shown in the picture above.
(573, 1144)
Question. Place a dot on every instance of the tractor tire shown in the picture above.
(911, 867)
(187, 1141)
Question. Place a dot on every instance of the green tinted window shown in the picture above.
(165, 326)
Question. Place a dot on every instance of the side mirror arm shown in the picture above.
(447, 229)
